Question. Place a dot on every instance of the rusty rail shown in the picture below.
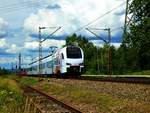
(68, 107)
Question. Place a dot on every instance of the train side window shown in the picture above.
(36, 67)
(62, 56)
(49, 64)
(43, 65)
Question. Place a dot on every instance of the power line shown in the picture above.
(25, 5)
(79, 29)
(51, 34)
(117, 28)
(16, 4)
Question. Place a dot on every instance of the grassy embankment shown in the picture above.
(91, 100)
(146, 72)
(11, 98)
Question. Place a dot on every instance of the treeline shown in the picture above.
(134, 53)
(3, 71)
(96, 59)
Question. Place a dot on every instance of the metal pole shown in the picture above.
(107, 42)
(98, 62)
(125, 35)
(125, 23)
(40, 52)
(109, 54)
(40, 46)
(12, 66)
(19, 61)
(102, 69)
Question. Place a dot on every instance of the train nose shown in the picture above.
(73, 64)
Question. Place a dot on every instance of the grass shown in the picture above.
(145, 72)
(82, 96)
(11, 99)
(89, 98)
(22, 80)
(28, 81)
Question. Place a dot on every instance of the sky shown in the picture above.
(20, 21)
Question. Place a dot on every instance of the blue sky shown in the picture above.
(20, 19)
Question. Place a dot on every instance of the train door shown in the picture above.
(63, 64)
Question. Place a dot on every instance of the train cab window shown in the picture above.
(73, 52)
(62, 56)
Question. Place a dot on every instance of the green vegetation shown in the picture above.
(96, 58)
(3, 71)
(11, 99)
(99, 97)
(81, 96)
(28, 81)
(131, 57)
(11, 96)
(147, 72)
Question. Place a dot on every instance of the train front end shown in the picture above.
(74, 60)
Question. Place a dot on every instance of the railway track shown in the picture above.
(39, 102)
(135, 80)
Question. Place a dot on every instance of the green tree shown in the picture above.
(138, 41)
(89, 49)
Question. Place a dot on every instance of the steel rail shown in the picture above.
(130, 80)
(68, 107)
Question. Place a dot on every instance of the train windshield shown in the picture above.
(73, 52)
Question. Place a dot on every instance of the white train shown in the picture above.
(67, 60)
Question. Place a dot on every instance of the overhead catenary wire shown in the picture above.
(51, 33)
(93, 21)
(12, 8)
(117, 28)
(112, 29)
(16, 4)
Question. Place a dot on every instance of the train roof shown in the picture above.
(41, 59)
(53, 53)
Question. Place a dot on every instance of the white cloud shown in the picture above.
(100, 43)
(35, 44)
(73, 14)
(14, 49)
(52, 42)
(9, 48)
(3, 25)
(7, 60)
(116, 45)
(31, 45)
(3, 43)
